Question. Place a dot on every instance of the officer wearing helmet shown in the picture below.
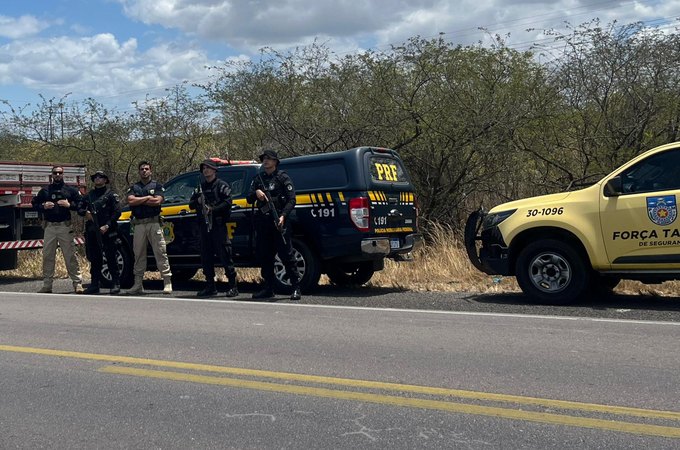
(212, 202)
(273, 187)
(101, 209)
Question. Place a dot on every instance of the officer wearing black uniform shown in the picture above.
(101, 209)
(273, 232)
(212, 202)
(55, 203)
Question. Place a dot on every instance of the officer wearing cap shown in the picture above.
(273, 232)
(212, 202)
(55, 203)
(101, 209)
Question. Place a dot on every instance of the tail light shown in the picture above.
(359, 212)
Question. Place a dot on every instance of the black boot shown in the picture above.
(297, 293)
(93, 288)
(115, 288)
(209, 290)
(264, 293)
(232, 291)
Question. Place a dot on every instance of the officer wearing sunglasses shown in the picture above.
(55, 203)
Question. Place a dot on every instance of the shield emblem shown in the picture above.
(169, 232)
(662, 210)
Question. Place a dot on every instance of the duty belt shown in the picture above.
(136, 221)
(66, 223)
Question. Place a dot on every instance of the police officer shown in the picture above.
(274, 233)
(145, 198)
(55, 202)
(101, 209)
(212, 202)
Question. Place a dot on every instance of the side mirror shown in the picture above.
(613, 187)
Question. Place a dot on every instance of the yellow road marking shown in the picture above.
(554, 419)
(367, 384)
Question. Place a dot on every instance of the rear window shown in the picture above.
(384, 169)
(318, 175)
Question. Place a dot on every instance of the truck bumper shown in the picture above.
(495, 260)
(492, 256)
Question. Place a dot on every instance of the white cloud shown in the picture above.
(99, 66)
(249, 25)
(17, 28)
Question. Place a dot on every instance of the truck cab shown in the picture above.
(562, 245)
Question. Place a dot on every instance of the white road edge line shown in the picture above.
(357, 308)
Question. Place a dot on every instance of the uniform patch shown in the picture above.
(662, 210)
(290, 187)
(168, 232)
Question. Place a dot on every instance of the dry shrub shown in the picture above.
(441, 265)
(30, 265)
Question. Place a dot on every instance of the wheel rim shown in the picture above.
(550, 272)
(280, 269)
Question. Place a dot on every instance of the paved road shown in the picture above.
(634, 307)
(155, 372)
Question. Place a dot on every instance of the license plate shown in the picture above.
(394, 243)
(31, 214)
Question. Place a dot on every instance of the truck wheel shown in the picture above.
(552, 272)
(308, 266)
(125, 262)
(351, 274)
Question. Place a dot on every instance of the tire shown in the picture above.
(552, 272)
(308, 265)
(125, 263)
(183, 274)
(351, 274)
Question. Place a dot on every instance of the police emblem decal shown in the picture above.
(662, 210)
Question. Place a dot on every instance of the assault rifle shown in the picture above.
(92, 209)
(270, 208)
(207, 212)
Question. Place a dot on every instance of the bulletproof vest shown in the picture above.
(273, 184)
(103, 201)
(210, 193)
(141, 190)
(56, 192)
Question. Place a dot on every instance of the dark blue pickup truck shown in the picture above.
(354, 209)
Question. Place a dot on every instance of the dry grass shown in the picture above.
(441, 266)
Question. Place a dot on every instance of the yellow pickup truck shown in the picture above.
(560, 246)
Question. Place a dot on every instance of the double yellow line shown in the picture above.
(393, 400)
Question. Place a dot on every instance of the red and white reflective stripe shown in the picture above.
(32, 243)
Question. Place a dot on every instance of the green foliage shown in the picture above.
(475, 125)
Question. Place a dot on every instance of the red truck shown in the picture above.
(20, 226)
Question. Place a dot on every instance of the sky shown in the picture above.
(119, 51)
